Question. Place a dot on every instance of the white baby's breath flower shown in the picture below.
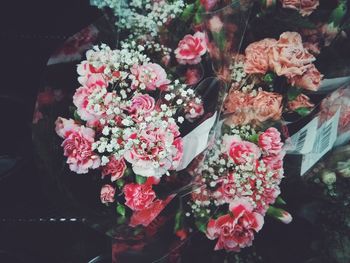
(105, 130)
(168, 97)
(180, 119)
(104, 160)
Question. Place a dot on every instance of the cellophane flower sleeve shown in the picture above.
(225, 23)
(238, 178)
(115, 129)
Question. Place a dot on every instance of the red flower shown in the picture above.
(152, 180)
(139, 196)
(146, 216)
(120, 247)
(235, 231)
(46, 97)
(208, 4)
(182, 234)
(115, 168)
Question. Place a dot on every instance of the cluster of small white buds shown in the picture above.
(153, 14)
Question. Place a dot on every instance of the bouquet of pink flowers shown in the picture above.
(281, 69)
(127, 118)
(276, 46)
(237, 184)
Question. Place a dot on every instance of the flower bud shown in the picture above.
(328, 177)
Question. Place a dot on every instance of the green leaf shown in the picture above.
(138, 230)
(303, 111)
(280, 201)
(254, 137)
(140, 179)
(187, 13)
(120, 183)
(120, 209)
(202, 226)
(77, 117)
(269, 77)
(179, 218)
(121, 220)
(274, 212)
(293, 93)
(338, 14)
(128, 172)
(219, 38)
(198, 16)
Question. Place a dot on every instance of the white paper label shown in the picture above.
(325, 138)
(303, 141)
(196, 142)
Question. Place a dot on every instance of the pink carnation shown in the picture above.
(267, 105)
(301, 101)
(243, 151)
(257, 56)
(138, 196)
(305, 7)
(191, 48)
(235, 231)
(178, 144)
(89, 74)
(310, 80)
(107, 194)
(270, 141)
(141, 105)
(226, 191)
(82, 102)
(149, 77)
(274, 162)
(153, 148)
(236, 100)
(77, 147)
(64, 127)
(288, 57)
(115, 168)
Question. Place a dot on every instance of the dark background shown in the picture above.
(30, 230)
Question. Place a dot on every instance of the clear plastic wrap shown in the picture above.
(78, 195)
